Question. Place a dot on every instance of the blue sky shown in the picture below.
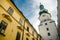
(30, 9)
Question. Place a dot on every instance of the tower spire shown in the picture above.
(42, 9)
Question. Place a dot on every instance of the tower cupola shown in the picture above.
(42, 9)
(44, 14)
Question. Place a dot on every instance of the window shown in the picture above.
(18, 36)
(27, 39)
(10, 10)
(27, 28)
(47, 29)
(21, 21)
(45, 23)
(49, 34)
(32, 38)
(3, 26)
(37, 39)
(33, 33)
(43, 15)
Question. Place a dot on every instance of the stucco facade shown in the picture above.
(14, 25)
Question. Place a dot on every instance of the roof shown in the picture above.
(43, 12)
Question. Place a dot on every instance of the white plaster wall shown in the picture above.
(52, 30)
(47, 16)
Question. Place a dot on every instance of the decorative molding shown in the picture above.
(27, 34)
(7, 17)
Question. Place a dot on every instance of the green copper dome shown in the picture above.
(42, 10)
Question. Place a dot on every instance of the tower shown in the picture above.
(47, 26)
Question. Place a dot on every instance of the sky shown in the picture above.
(30, 9)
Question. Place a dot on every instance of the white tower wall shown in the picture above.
(51, 29)
(45, 16)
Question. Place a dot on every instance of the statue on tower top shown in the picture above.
(42, 9)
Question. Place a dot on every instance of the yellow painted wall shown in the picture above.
(12, 27)
(31, 29)
(11, 30)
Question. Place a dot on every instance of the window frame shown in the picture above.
(21, 21)
(3, 26)
(47, 29)
(18, 36)
(45, 23)
(10, 10)
(28, 29)
(49, 34)
(27, 39)
(33, 33)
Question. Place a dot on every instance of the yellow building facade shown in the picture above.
(14, 25)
